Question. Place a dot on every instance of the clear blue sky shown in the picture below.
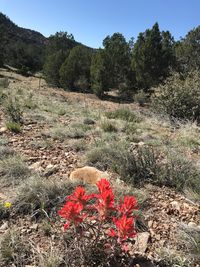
(90, 21)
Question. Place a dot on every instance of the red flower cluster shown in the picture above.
(71, 212)
(79, 196)
(105, 199)
(125, 228)
(77, 209)
(128, 206)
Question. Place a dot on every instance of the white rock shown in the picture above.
(4, 226)
(3, 130)
(142, 241)
(175, 205)
(192, 225)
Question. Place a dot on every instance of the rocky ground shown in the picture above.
(166, 216)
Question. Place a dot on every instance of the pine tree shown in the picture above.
(99, 73)
(52, 66)
(168, 52)
(75, 71)
(152, 55)
(188, 51)
(118, 52)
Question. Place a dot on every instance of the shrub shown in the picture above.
(108, 126)
(13, 110)
(179, 98)
(144, 165)
(14, 249)
(123, 114)
(13, 170)
(135, 167)
(40, 196)
(13, 127)
(141, 98)
(6, 152)
(61, 133)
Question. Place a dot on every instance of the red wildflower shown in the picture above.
(105, 198)
(125, 228)
(128, 205)
(103, 185)
(79, 196)
(105, 204)
(71, 211)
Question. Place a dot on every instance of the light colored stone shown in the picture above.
(175, 205)
(88, 174)
(141, 143)
(192, 225)
(4, 226)
(34, 226)
(3, 130)
(50, 169)
(150, 223)
(142, 241)
(35, 166)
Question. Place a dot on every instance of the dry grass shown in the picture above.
(13, 170)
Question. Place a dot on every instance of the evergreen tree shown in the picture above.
(111, 67)
(152, 56)
(118, 52)
(168, 54)
(188, 51)
(60, 41)
(100, 78)
(75, 71)
(52, 66)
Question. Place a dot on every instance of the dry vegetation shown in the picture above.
(46, 133)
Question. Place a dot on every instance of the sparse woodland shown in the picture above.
(131, 110)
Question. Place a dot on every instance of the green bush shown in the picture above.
(14, 249)
(144, 165)
(141, 98)
(108, 126)
(41, 196)
(123, 114)
(179, 97)
(5, 152)
(13, 127)
(13, 110)
(13, 170)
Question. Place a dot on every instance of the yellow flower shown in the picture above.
(7, 205)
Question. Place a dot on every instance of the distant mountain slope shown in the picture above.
(21, 48)
(11, 32)
(26, 49)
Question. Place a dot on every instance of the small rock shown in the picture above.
(150, 223)
(34, 226)
(50, 169)
(3, 130)
(142, 241)
(50, 166)
(175, 205)
(4, 226)
(192, 225)
(141, 143)
(35, 165)
(89, 121)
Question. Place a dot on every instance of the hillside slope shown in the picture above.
(61, 131)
